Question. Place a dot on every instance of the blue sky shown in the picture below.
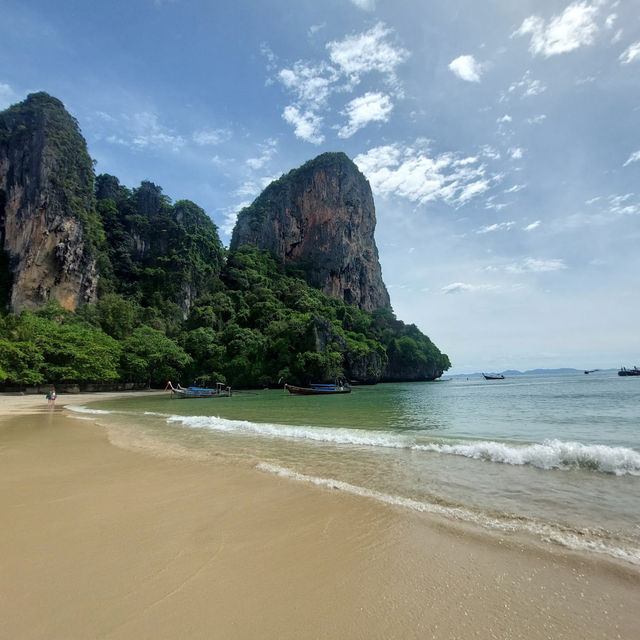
(501, 140)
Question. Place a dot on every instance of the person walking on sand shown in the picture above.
(51, 397)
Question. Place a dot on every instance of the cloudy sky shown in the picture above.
(501, 140)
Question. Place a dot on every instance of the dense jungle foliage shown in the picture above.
(173, 305)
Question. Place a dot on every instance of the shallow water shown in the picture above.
(556, 456)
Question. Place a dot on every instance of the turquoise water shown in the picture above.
(555, 456)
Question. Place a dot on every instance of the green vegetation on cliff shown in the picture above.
(174, 306)
(64, 157)
(172, 303)
(255, 326)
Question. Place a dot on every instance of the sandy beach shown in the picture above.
(102, 542)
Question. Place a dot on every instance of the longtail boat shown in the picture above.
(220, 391)
(318, 389)
(493, 376)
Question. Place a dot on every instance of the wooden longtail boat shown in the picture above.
(493, 376)
(220, 391)
(318, 389)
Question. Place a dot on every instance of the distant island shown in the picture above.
(515, 372)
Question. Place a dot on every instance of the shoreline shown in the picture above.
(111, 543)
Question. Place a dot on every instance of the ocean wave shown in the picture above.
(577, 539)
(551, 454)
(79, 409)
(317, 434)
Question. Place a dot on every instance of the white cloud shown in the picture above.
(631, 53)
(314, 28)
(505, 118)
(351, 58)
(537, 119)
(516, 153)
(144, 131)
(515, 188)
(268, 149)
(310, 84)
(533, 265)
(230, 215)
(494, 206)
(208, 137)
(7, 96)
(466, 68)
(532, 226)
(366, 5)
(526, 87)
(371, 107)
(490, 152)
(463, 287)
(610, 21)
(412, 173)
(572, 29)
(367, 52)
(253, 188)
(306, 125)
(634, 157)
(270, 56)
(105, 117)
(622, 205)
(499, 226)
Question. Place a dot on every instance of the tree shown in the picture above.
(148, 355)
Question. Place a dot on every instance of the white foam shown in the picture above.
(318, 434)
(580, 540)
(79, 409)
(551, 454)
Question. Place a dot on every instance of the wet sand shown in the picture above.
(101, 542)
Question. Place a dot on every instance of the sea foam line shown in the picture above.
(79, 409)
(551, 454)
(575, 539)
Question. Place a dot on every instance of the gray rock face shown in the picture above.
(321, 218)
(46, 180)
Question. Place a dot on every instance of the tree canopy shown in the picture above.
(174, 305)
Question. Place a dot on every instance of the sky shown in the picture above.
(501, 140)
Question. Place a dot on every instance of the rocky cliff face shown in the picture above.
(46, 205)
(321, 218)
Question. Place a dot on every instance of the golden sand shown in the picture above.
(101, 542)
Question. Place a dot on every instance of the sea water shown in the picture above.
(553, 456)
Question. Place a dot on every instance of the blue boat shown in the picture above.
(220, 391)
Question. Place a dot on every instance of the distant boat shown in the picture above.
(591, 370)
(493, 376)
(220, 391)
(319, 389)
(629, 372)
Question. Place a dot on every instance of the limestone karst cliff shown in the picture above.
(47, 214)
(300, 296)
(321, 217)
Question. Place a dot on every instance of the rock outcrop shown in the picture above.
(321, 218)
(155, 246)
(46, 205)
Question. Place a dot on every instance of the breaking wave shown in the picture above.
(551, 454)
(79, 409)
(577, 539)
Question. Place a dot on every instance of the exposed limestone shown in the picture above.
(321, 218)
(47, 183)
